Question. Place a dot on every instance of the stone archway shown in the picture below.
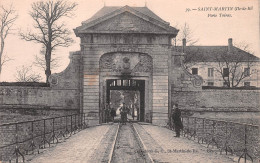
(126, 66)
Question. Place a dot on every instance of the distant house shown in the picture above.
(226, 66)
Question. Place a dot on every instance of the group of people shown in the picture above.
(110, 114)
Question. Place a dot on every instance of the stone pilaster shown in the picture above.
(91, 87)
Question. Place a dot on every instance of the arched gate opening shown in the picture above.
(133, 96)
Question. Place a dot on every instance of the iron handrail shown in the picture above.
(211, 133)
(77, 122)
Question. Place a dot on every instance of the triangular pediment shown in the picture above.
(125, 20)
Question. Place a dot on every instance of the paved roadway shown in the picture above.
(95, 144)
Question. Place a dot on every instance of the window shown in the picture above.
(210, 83)
(247, 84)
(246, 72)
(194, 71)
(225, 72)
(210, 72)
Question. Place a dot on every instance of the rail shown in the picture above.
(235, 138)
(27, 137)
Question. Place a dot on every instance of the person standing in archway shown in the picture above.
(133, 112)
(123, 112)
(113, 114)
(176, 117)
(107, 112)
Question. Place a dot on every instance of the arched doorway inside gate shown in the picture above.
(130, 73)
(129, 91)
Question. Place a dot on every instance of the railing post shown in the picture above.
(16, 142)
(226, 137)
(67, 130)
(60, 128)
(75, 127)
(182, 124)
(71, 123)
(53, 137)
(78, 124)
(213, 135)
(17, 150)
(188, 126)
(53, 129)
(195, 127)
(204, 134)
(245, 153)
(44, 136)
(32, 145)
(84, 123)
(66, 122)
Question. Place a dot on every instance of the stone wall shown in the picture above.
(29, 97)
(218, 100)
(63, 92)
(11, 115)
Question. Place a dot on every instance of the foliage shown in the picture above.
(234, 63)
(185, 33)
(25, 74)
(7, 19)
(50, 31)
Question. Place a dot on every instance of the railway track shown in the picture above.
(128, 146)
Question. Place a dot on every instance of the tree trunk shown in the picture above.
(0, 67)
(48, 64)
(0, 64)
(1, 52)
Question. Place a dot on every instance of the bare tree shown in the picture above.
(51, 33)
(41, 63)
(4, 60)
(244, 46)
(7, 18)
(185, 33)
(25, 74)
(230, 64)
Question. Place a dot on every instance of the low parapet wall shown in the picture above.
(38, 97)
(217, 100)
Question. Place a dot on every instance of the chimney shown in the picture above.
(183, 45)
(230, 45)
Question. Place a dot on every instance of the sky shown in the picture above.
(212, 22)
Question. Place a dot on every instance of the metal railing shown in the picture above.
(24, 138)
(235, 138)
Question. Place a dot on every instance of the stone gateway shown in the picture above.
(126, 45)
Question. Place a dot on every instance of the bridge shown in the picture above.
(70, 139)
(126, 49)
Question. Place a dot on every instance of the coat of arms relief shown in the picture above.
(126, 63)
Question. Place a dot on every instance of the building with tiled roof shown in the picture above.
(210, 61)
(214, 54)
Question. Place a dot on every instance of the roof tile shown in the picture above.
(215, 54)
